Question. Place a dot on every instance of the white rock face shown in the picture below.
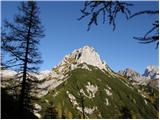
(86, 55)
(108, 92)
(43, 74)
(38, 115)
(46, 86)
(90, 56)
(107, 102)
(91, 94)
(48, 74)
(73, 66)
(87, 110)
(91, 89)
(50, 84)
(84, 66)
(72, 99)
(37, 109)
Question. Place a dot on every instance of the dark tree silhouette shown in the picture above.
(108, 10)
(153, 34)
(20, 41)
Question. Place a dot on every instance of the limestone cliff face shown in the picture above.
(86, 55)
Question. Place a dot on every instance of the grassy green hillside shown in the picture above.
(114, 97)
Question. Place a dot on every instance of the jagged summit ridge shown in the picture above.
(152, 72)
(150, 76)
(87, 55)
(130, 74)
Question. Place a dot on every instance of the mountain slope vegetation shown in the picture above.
(105, 95)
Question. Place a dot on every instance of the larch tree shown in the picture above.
(20, 42)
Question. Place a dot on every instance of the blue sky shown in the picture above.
(64, 33)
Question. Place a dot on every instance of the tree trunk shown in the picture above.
(24, 79)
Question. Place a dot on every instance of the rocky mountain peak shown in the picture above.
(89, 55)
(151, 72)
(86, 54)
(131, 74)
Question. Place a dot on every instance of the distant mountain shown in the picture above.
(84, 86)
(130, 74)
(150, 76)
(7, 73)
(152, 72)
